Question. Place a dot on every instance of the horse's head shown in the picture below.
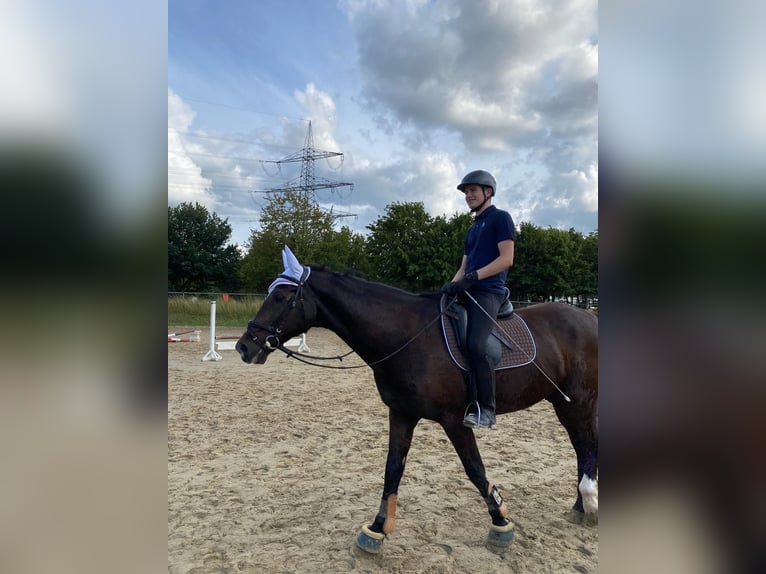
(285, 313)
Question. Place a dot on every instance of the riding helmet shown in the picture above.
(478, 177)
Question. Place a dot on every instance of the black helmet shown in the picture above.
(478, 177)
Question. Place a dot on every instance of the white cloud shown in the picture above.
(320, 107)
(185, 180)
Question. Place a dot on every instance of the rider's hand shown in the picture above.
(466, 282)
(449, 289)
(453, 288)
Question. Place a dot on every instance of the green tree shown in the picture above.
(536, 274)
(448, 237)
(525, 277)
(552, 263)
(358, 261)
(588, 266)
(294, 219)
(198, 257)
(414, 251)
(343, 251)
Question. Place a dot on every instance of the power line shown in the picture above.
(218, 174)
(229, 106)
(205, 136)
(215, 155)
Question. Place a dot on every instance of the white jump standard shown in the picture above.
(211, 355)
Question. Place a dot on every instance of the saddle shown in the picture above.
(510, 345)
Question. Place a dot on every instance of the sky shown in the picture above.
(414, 94)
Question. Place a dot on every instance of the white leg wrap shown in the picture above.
(589, 491)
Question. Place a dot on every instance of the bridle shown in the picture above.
(272, 341)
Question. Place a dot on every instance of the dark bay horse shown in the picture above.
(396, 334)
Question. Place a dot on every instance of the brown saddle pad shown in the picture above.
(512, 330)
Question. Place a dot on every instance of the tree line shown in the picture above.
(405, 247)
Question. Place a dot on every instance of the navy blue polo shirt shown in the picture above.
(491, 227)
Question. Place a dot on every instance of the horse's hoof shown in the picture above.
(370, 541)
(582, 518)
(500, 538)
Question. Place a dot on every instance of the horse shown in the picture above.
(396, 334)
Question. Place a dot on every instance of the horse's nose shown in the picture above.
(242, 350)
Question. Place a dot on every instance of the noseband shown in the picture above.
(272, 342)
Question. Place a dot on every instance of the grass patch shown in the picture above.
(195, 311)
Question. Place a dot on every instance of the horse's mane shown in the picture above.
(356, 276)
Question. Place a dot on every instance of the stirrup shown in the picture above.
(471, 420)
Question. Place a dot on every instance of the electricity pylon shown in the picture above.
(308, 182)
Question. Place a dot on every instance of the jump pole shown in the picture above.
(211, 355)
(180, 333)
(192, 339)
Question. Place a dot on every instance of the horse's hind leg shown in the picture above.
(580, 420)
(400, 430)
(501, 533)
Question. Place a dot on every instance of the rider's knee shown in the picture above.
(476, 350)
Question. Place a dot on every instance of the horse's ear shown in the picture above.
(293, 267)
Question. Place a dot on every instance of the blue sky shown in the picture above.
(415, 94)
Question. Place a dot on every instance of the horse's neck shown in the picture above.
(366, 315)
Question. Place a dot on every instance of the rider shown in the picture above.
(487, 256)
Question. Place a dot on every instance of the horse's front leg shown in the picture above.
(400, 431)
(501, 532)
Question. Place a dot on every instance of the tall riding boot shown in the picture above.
(471, 416)
(485, 387)
(471, 393)
(483, 378)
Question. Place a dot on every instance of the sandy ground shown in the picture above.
(275, 467)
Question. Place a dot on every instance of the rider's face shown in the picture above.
(474, 196)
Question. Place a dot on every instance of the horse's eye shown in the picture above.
(279, 297)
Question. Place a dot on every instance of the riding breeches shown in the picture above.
(480, 326)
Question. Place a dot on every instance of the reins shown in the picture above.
(297, 356)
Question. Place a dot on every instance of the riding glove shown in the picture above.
(454, 287)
